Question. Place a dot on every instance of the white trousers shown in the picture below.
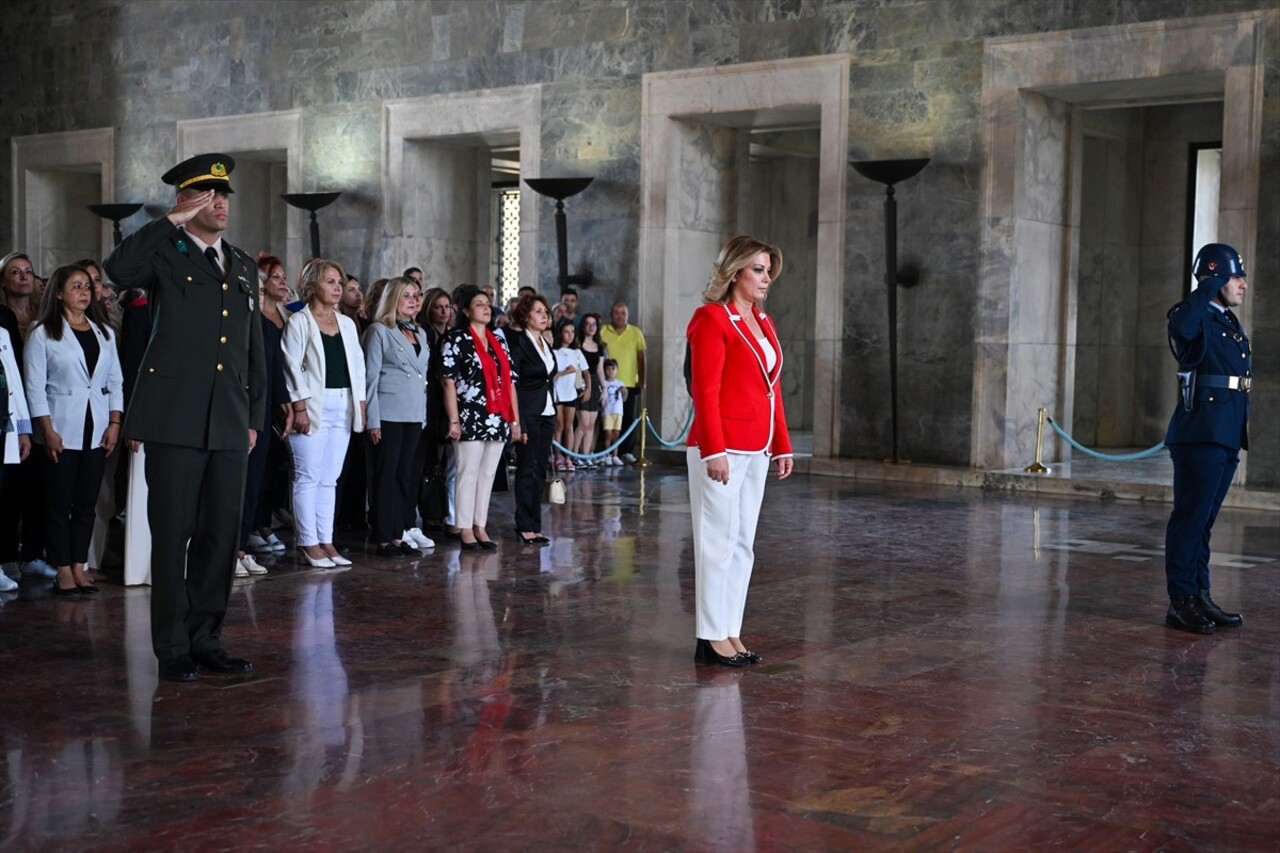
(724, 536)
(477, 463)
(317, 464)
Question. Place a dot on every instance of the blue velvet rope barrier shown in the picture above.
(1111, 457)
(600, 454)
(679, 440)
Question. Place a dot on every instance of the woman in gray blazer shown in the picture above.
(75, 392)
(396, 358)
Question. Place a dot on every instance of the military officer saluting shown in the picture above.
(1209, 427)
(199, 389)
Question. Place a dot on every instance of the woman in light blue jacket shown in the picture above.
(75, 392)
(396, 358)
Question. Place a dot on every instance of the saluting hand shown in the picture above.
(185, 209)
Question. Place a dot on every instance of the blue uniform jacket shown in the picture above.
(1212, 343)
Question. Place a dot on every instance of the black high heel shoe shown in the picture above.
(704, 654)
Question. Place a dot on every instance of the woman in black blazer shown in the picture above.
(534, 364)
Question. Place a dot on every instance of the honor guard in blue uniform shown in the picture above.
(1209, 427)
(199, 393)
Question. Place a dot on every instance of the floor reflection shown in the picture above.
(943, 668)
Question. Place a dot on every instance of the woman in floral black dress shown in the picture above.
(479, 399)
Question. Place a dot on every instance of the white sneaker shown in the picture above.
(39, 568)
(241, 571)
(252, 566)
(615, 461)
(414, 536)
(259, 545)
(276, 545)
(7, 584)
(629, 458)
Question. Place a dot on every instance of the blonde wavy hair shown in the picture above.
(736, 255)
(388, 308)
(312, 272)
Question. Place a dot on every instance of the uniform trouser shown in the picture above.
(630, 409)
(71, 502)
(724, 535)
(1201, 477)
(395, 480)
(193, 509)
(254, 472)
(317, 463)
(531, 471)
(477, 464)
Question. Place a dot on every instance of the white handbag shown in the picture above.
(555, 491)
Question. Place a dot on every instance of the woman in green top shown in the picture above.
(325, 377)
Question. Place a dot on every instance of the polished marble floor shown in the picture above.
(946, 669)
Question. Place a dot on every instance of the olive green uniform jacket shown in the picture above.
(203, 379)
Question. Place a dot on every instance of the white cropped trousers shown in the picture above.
(317, 464)
(724, 536)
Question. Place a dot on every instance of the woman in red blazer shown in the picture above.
(738, 424)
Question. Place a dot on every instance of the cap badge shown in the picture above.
(218, 170)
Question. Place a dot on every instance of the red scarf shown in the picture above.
(497, 392)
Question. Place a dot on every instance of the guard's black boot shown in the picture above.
(1216, 614)
(1185, 615)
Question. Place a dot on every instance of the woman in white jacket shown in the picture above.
(325, 376)
(75, 392)
(15, 421)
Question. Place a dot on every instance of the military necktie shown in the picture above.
(212, 255)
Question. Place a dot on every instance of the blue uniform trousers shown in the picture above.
(1201, 477)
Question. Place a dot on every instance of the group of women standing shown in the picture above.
(327, 383)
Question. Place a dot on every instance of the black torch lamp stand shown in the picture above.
(890, 172)
(116, 213)
(560, 189)
(311, 202)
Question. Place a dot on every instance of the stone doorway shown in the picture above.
(759, 147)
(1037, 91)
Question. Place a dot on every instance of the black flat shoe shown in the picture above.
(73, 592)
(1215, 614)
(1185, 615)
(472, 546)
(703, 653)
(220, 662)
(181, 669)
(388, 550)
(750, 657)
(407, 550)
(488, 544)
(88, 589)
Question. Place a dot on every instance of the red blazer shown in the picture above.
(737, 404)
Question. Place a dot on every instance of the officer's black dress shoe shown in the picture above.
(705, 653)
(1216, 614)
(407, 550)
(390, 549)
(220, 662)
(181, 668)
(1184, 614)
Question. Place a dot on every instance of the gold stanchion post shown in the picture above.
(1038, 467)
(641, 462)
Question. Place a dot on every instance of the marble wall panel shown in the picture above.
(916, 90)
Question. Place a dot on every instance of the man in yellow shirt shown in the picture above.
(626, 346)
